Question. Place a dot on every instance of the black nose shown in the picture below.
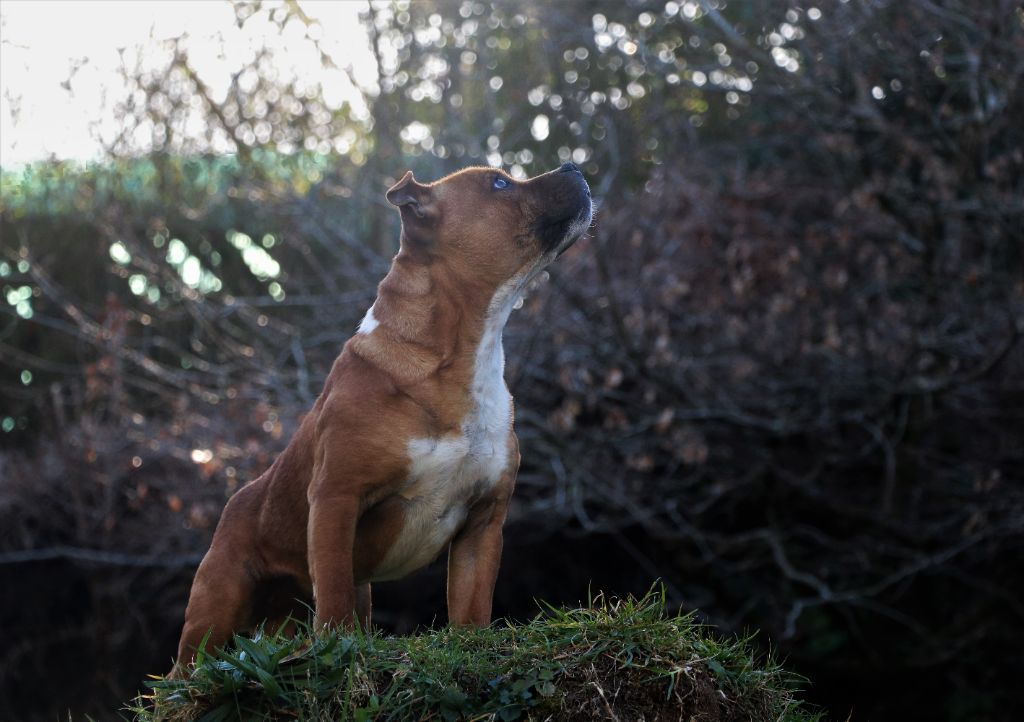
(569, 168)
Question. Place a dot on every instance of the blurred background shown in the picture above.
(784, 374)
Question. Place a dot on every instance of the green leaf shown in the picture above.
(254, 650)
(506, 714)
(265, 679)
(717, 668)
(201, 649)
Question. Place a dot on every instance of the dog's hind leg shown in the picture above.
(221, 600)
(220, 603)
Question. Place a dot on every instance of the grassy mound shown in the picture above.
(615, 660)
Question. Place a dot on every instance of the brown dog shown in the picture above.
(409, 448)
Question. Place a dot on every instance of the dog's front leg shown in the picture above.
(473, 560)
(332, 529)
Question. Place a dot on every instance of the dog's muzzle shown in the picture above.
(570, 209)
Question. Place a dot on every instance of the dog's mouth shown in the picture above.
(553, 233)
(566, 209)
(577, 227)
(558, 235)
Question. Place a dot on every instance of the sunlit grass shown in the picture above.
(625, 659)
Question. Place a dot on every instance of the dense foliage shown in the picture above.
(784, 374)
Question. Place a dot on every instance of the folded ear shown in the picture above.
(411, 197)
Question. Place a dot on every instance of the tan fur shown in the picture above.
(399, 432)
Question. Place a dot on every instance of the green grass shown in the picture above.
(623, 660)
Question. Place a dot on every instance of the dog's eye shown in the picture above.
(499, 183)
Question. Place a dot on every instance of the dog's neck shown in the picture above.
(425, 318)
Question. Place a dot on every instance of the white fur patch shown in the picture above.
(445, 472)
(438, 485)
(368, 323)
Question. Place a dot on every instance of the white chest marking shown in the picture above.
(368, 323)
(445, 473)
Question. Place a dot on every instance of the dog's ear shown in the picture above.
(411, 198)
(419, 210)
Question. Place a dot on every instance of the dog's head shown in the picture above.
(483, 223)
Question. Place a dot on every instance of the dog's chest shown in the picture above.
(446, 474)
